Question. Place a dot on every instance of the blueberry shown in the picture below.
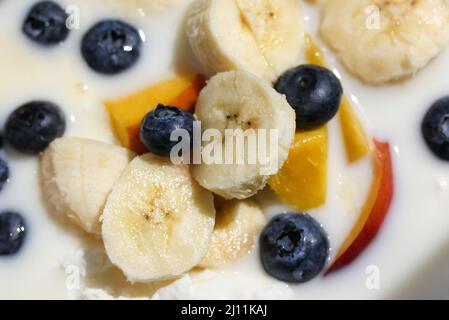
(435, 128)
(111, 46)
(12, 232)
(313, 92)
(33, 126)
(158, 125)
(293, 247)
(46, 23)
(4, 173)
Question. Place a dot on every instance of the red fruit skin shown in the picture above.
(378, 212)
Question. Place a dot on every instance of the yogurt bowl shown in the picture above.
(384, 240)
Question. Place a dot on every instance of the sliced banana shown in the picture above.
(240, 100)
(158, 222)
(237, 224)
(78, 175)
(259, 36)
(385, 40)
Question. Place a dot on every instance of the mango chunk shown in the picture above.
(302, 181)
(356, 141)
(127, 113)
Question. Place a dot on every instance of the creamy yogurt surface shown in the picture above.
(59, 262)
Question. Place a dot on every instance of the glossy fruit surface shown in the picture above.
(46, 23)
(294, 247)
(111, 47)
(158, 125)
(4, 173)
(12, 232)
(127, 112)
(357, 143)
(33, 126)
(314, 92)
(435, 128)
(374, 211)
(302, 181)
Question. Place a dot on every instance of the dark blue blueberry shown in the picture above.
(111, 46)
(294, 247)
(46, 23)
(4, 173)
(158, 125)
(313, 92)
(12, 232)
(33, 126)
(435, 128)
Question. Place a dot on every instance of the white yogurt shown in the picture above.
(414, 235)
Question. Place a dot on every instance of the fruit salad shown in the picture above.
(223, 149)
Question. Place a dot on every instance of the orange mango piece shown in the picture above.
(302, 181)
(127, 113)
(356, 141)
(357, 144)
(314, 54)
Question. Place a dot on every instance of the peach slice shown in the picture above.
(302, 180)
(127, 113)
(357, 144)
(373, 212)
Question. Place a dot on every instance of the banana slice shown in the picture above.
(158, 222)
(238, 222)
(385, 40)
(259, 36)
(78, 175)
(239, 100)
